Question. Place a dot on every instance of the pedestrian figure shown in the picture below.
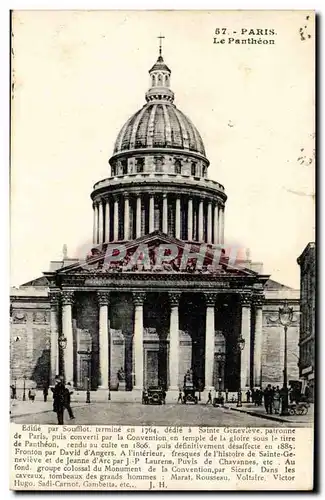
(32, 394)
(260, 397)
(209, 398)
(248, 396)
(180, 397)
(45, 393)
(308, 393)
(291, 394)
(268, 399)
(67, 400)
(58, 398)
(277, 400)
(29, 394)
(13, 392)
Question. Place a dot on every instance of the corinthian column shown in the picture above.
(67, 300)
(165, 214)
(190, 220)
(178, 218)
(174, 299)
(221, 224)
(246, 335)
(100, 222)
(138, 299)
(94, 223)
(138, 217)
(104, 361)
(209, 340)
(216, 225)
(126, 216)
(54, 322)
(116, 218)
(107, 221)
(200, 238)
(258, 341)
(209, 223)
(151, 214)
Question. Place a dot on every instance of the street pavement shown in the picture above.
(109, 413)
(250, 409)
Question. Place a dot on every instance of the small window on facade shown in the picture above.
(113, 170)
(159, 80)
(193, 169)
(140, 165)
(178, 167)
(158, 164)
(204, 171)
(124, 167)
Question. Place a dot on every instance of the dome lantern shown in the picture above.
(160, 80)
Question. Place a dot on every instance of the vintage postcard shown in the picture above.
(162, 308)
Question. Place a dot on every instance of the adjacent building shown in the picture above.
(307, 265)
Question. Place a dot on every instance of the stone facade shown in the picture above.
(30, 335)
(273, 335)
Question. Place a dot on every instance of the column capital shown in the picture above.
(174, 298)
(138, 298)
(210, 298)
(55, 298)
(245, 299)
(67, 298)
(258, 300)
(164, 196)
(103, 298)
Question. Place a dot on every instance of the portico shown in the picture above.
(156, 327)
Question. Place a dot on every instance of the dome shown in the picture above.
(159, 125)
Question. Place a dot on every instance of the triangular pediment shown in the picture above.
(158, 252)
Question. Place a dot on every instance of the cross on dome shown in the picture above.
(160, 37)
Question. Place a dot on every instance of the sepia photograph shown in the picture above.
(162, 220)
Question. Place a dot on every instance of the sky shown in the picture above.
(78, 76)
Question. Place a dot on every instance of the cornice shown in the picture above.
(164, 183)
(161, 151)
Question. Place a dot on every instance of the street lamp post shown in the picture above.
(285, 318)
(62, 346)
(240, 347)
(24, 389)
(109, 366)
(220, 358)
(89, 375)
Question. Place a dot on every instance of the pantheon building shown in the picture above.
(160, 303)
